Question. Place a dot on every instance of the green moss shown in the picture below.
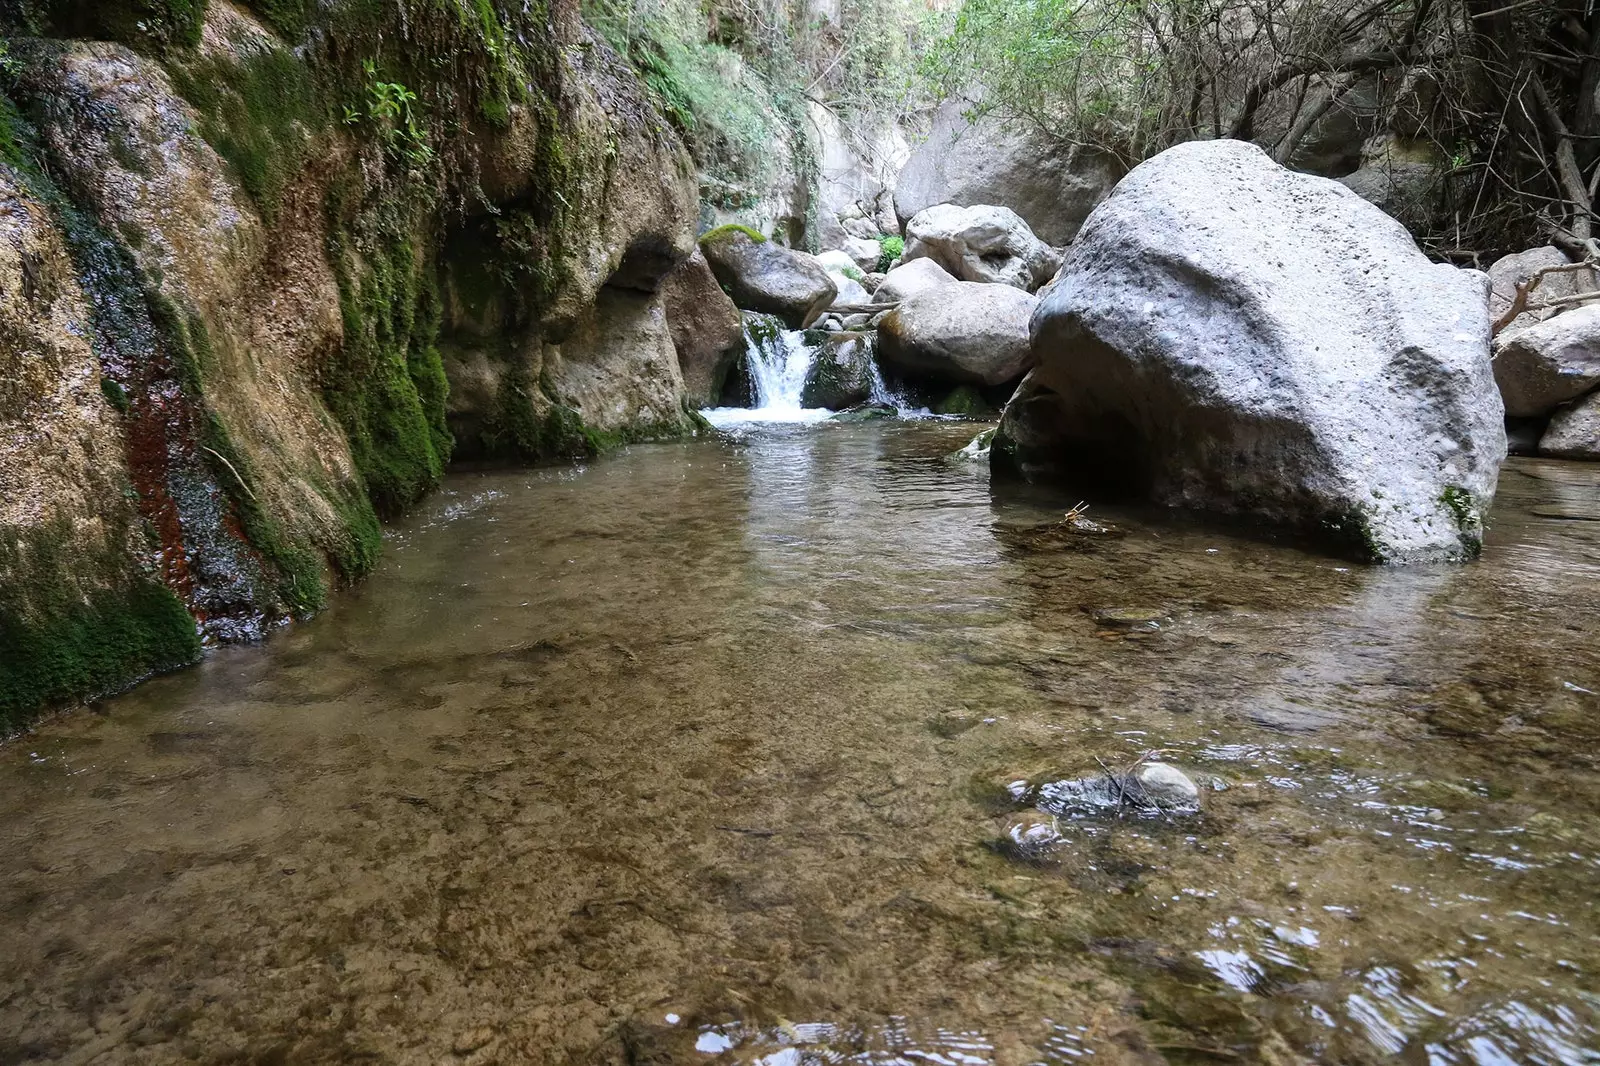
(259, 115)
(1463, 508)
(965, 402)
(73, 628)
(1352, 531)
(386, 386)
(289, 17)
(722, 233)
(114, 394)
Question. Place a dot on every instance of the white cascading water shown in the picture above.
(778, 362)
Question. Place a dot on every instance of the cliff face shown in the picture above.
(262, 272)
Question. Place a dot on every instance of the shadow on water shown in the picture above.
(700, 754)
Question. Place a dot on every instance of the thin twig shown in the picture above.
(235, 473)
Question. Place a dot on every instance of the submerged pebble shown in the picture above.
(1134, 619)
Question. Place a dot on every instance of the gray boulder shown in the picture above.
(1543, 365)
(1052, 185)
(911, 279)
(1574, 432)
(707, 329)
(849, 292)
(962, 333)
(983, 243)
(1509, 271)
(765, 276)
(841, 374)
(1230, 336)
(864, 253)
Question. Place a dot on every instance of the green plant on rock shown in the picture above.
(386, 387)
(75, 627)
(722, 233)
(890, 248)
(391, 111)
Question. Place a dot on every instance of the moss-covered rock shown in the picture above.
(284, 231)
(841, 374)
(82, 611)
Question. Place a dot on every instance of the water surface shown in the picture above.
(699, 754)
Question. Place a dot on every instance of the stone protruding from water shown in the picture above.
(1229, 336)
(1151, 788)
(762, 275)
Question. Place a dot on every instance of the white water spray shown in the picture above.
(778, 361)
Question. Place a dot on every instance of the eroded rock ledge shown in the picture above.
(260, 282)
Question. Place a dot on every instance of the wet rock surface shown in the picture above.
(707, 330)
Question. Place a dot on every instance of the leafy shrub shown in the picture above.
(890, 249)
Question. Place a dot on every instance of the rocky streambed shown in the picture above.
(710, 752)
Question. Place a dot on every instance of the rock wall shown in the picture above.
(262, 279)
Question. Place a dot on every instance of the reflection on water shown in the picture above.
(701, 754)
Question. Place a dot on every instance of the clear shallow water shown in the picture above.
(697, 754)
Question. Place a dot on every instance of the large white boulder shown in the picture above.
(1543, 365)
(962, 333)
(1228, 335)
(982, 243)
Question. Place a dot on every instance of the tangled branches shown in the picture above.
(1486, 108)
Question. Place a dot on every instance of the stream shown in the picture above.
(700, 753)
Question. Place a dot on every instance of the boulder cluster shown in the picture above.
(1216, 332)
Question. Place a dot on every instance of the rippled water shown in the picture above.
(700, 754)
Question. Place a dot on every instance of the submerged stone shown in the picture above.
(867, 412)
(1147, 619)
(1029, 835)
(1153, 788)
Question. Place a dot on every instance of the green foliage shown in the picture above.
(853, 273)
(259, 115)
(1074, 70)
(890, 249)
(708, 91)
(722, 233)
(386, 387)
(115, 395)
(391, 114)
(62, 642)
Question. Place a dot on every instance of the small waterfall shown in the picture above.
(778, 361)
(882, 393)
